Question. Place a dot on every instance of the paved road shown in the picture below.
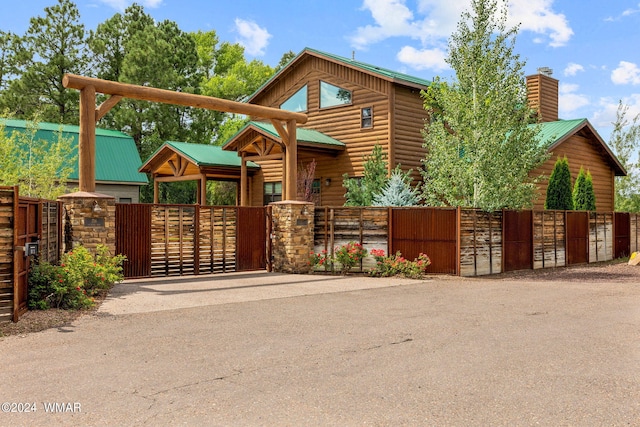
(243, 350)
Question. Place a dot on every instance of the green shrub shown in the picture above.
(73, 284)
(584, 198)
(397, 265)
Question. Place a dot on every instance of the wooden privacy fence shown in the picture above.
(170, 240)
(24, 221)
(470, 242)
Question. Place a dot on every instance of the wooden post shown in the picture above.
(87, 140)
(156, 190)
(291, 158)
(203, 190)
(243, 181)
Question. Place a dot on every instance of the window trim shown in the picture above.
(362, 118)
(332, 106)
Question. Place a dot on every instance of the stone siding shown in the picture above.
(292, 239)
(93, 219)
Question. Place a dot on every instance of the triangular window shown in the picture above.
(297, 102)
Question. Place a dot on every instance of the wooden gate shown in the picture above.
(622, 231)
(577, 237)
(169, 240)
(28, 228)
(517, 249)
(432, 231)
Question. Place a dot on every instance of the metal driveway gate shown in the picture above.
(622, 231)
(577, 237)
(170, 240)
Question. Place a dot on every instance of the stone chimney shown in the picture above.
(542, 92)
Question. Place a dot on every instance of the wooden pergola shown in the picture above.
(284, 122)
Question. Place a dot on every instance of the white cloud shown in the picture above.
(121, 5)
(433, 59)
(569, 100)
(626, 73)
(572, 69)
(433, 21)
(538, 16)
(605, 116)
(253, 37)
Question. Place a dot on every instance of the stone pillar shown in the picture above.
(292, 231)
(93, 219)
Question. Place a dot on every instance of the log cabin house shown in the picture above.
(352, 106)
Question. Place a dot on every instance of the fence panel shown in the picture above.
(601, 237)
(432, 231)
(480, 242)
(7, 212)
(252, 238)
(548, 239)
(622, 230)
(634, 231)
(577, 229)
(217, 239)
(517, 228)
(337, 226)
(133, 238)
(51, 236)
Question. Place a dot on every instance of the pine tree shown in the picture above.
(397, 191)
(584, 198)
(559, 194)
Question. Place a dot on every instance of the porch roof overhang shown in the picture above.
(258, 140)
(186, 161)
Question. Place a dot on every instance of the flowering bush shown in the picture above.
(73, 284)
(323, 259)
(397, 265)
(349, 255)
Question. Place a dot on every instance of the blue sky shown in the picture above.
(592, 46)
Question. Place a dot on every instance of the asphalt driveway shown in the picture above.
(262, 349)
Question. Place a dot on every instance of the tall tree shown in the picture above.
(559, 195)
(53, 45)
(398, 191)
(625, 142)
(480, 147)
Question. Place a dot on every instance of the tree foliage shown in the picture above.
(480, 146)
(559, 194)
(31, 162)
(584, 198)
(398, 191)
(360, 191)
(625, 142)
(53, 45)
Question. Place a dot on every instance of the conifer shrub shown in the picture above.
(559, 193)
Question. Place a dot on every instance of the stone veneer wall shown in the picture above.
(93, 219)
(292, 236)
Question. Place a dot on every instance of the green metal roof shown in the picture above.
(382, 72)
(117, 159)
(302, 135)
(551, 132)
(207, 155)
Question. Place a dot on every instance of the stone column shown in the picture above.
(292, 231)
(93, 219)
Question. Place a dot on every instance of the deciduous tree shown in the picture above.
(360, 191)
(480, 147)
(625, 142)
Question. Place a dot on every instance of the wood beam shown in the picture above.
(106, 106)
(164, 96)
(193, 177)
(281, 131)
(276, 156)
(291, 160)
(87, 140)
(156, 190)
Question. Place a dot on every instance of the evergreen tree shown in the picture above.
(53, 46)
(360, 191)
(480, 149)
(559, 194)
(584, 198)
(397, 191)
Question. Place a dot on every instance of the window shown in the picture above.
(331, 95)
(315, 191)
(297, 102)
(124, 200)
(366, 117)
(272, 192)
